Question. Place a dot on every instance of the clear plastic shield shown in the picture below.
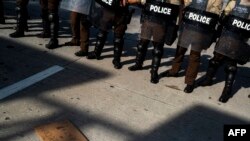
(197, 39)
(233, 42)
(156, 17)
(198, 26)
(79, 6)
(153, 31)
(199, 4)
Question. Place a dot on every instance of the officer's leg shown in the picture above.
(119, 31)
(75, 26)
(84, 35)
(213, 66)
(22, 15)
(54, 23)
(230, 70)
(157, 55)
(2, 19)
(45, 22)
(100, 41)
(118, 47)
(142, 48)
(192, 70)
(176, 65)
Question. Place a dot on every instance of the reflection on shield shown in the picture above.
(153, 31)
(233, 42)
(198, 26)
(233, 47)
(79, 6)
(197, 39)
(199, 4)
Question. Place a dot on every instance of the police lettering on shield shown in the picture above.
(199, 18)
(241, 24)
(162, 10)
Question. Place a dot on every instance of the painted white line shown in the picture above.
(9, 90)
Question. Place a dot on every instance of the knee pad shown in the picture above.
(231, 68)
(52, 16)
(214, 63)
(18, 9)
(118, 40)
(19, 12)
(102, 34)
(142, 45)
(157, 52)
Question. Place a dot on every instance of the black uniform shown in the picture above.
(154, 27)
(232, 47)
(110, 15)
(50, 19)
(22, 16)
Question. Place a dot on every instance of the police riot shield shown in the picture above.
(79, 6)
(198, 26)
(233, 41)
(156, 17)
(104, 13)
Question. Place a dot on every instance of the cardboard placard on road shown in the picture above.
(60, 131)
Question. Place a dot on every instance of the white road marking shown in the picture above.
(9, 90)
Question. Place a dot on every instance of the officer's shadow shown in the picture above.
(242, 79)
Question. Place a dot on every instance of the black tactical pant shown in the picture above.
(117, 20)
(22, 3)
(50, 5)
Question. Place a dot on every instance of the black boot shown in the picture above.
(167, 73)
(154, 76)
(211, 71)
(118, 47)
(21, 22)
(54, 27)
(189, 88)
(101, 38)
(230, 77)
(45, 24)
(142, 48)
(157, 55)
(81, 53)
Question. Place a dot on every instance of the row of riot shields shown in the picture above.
(159, 21)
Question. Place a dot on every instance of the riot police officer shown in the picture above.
(50, 19)
(22, 17)
(112, 14)
(154, 25)
(198, 26)
(2, 19)
(80, 24)
(232, 46)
